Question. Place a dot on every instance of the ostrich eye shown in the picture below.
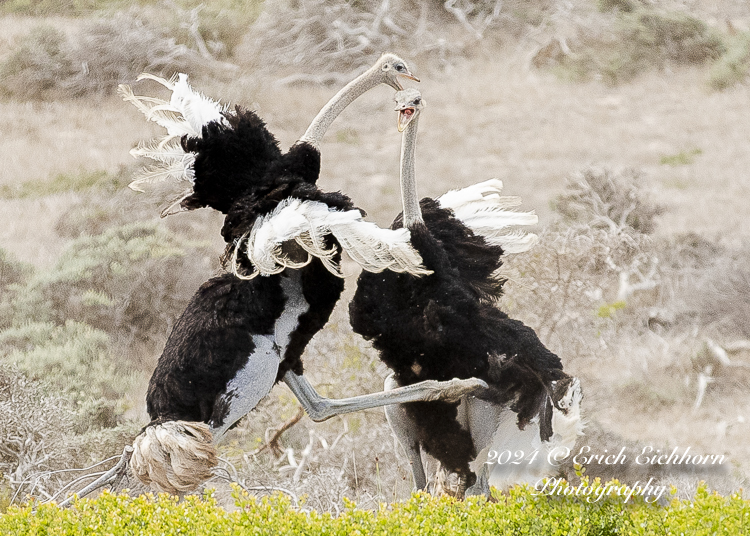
(400, 68)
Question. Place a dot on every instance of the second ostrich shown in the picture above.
(448, 325)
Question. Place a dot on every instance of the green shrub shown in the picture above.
(626, 6)
(642, 38)
(683, 158)
(75, 360)
(12, 272)
(41, 60)
(670, 36)
(521, 511)
(131, 281)
(64, 182)
(734, 65)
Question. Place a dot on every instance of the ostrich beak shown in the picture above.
(405, 116)
(396, 83)
(409, 76)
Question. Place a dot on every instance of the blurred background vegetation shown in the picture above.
(606, 287)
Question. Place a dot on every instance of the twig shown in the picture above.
(193, 28)
(704, 378)
(106, 478)
(234, 469)
(305, 455)
(450, 6)
(718, 353)
(273, 442)
(737, 346)
(73, 483)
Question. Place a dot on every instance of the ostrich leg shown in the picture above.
(320, 408)
(403, 427)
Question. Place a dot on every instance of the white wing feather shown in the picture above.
(481, 208)
(185, 114)
(308, 222)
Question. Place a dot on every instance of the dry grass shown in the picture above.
(47, 64)
(489, 114)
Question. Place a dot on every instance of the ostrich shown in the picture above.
(447, 324)
(240, 333)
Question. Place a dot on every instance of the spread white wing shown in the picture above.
(307, 223)
(481, 208)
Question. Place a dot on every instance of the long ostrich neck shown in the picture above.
(412, 212)
(348, 94)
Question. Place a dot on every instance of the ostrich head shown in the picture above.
(409, 103)
(391, 67)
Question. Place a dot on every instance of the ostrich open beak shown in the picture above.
(405, 115)
(408, 75)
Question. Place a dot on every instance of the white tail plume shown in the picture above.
(481, 208)
(308, 222)
(538, 462)
(175, 456)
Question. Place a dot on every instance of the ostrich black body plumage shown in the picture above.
(240, 171)
(209, 343)
(448, 325)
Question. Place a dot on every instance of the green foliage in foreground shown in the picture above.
(521, 511)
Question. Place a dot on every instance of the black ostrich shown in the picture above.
(244, 331)
(448, 325)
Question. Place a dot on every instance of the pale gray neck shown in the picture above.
(409, 197)
(348, 94)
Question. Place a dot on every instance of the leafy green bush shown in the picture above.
(130, 281)
(683, 158)
(626, 6)
(670, 36)
(520, 511)
(12, 272)
(642, 38)
(734, 65)
(72, 357)
(64, 182)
